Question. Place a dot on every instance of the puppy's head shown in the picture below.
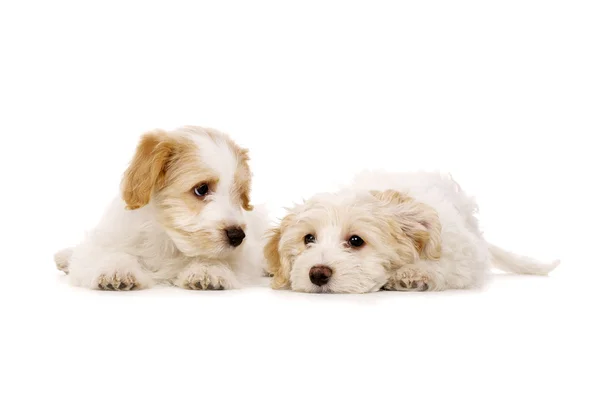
(351, 242)
(198, 182)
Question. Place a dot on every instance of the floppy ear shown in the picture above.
(281, 276)
(246, 181)
(418, 221)
(146, 172)
(278, 264)
(246, 201)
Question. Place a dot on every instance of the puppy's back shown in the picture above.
(437, 190)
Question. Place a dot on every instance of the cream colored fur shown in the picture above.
(420, 232)
(159, 231)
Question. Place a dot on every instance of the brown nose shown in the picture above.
(235, 235)
(319, 275)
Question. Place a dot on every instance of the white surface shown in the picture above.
(504, 96)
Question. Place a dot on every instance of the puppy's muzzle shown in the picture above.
(235, 235)
(319, 275)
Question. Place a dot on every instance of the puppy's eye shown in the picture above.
(356, 242)
(308, 239)
(201, 190)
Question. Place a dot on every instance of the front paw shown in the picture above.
(118, 281)
(407, 280)
(207, 277)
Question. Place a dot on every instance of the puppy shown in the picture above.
(183, 218)
(404, 232)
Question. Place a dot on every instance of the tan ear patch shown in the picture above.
(419, 222)
(280, 277)
(278, 264)
(146, 172)
(425, 236)
(243, 179)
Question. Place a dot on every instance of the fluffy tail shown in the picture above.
(62, 258)
(509, 262)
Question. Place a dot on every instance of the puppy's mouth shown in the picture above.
(206, 243)
(313, 288)
(215, 249)
(324, 289)
(330, 288)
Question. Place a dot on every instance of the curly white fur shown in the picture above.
(420, 232)
(159, 231)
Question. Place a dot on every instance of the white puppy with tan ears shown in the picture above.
(405, 232)
(183, 218)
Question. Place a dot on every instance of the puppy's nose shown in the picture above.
(235, 235)
(319, 275)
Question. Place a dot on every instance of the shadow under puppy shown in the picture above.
(405, 232)
(183, 218)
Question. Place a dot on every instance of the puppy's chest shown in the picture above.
(155, 250)
(164, 262)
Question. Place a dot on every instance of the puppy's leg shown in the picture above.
(95, 267)
(62, 258)
(119, 280)
(410, 278)
(463, 265)
(207, 276)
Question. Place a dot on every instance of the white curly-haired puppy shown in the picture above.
(406, 232)
(183, 218)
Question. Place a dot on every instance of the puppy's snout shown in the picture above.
(319, 275)
(235, 235)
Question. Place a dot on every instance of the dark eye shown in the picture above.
(201, 190)
(309, 238)
(356, 241)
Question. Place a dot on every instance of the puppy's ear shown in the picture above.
(146, 172)
(245, 181)
(277, 265)
(419, 222)
(246, 202)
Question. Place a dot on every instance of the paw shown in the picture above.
(408, 280)
(63, 266)
(118, 282)
(61, 258)
(266, 273)
(207, 278)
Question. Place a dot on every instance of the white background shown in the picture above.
(505, 95)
